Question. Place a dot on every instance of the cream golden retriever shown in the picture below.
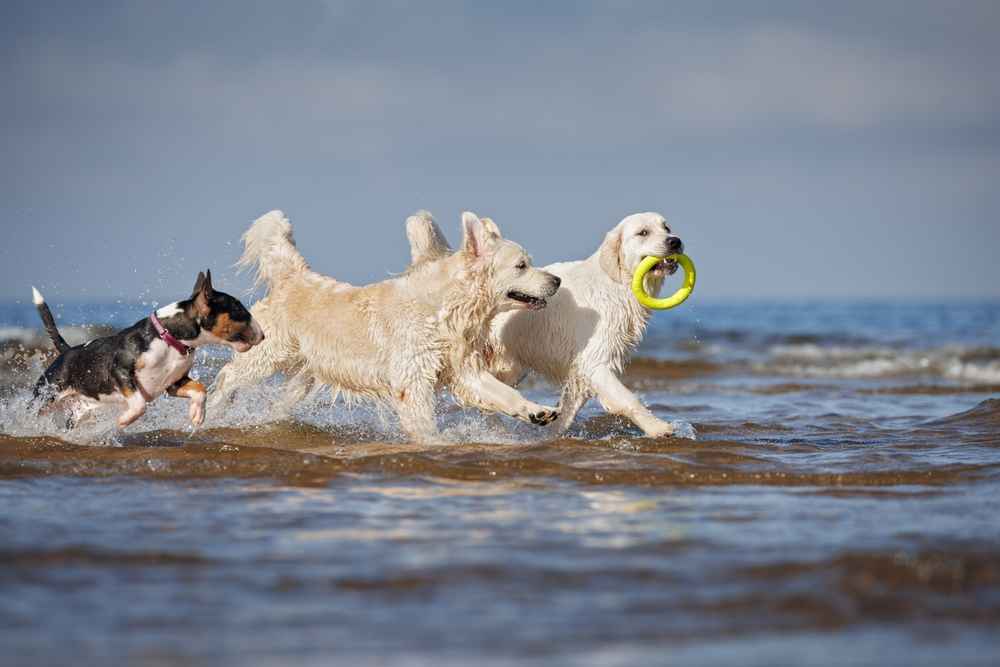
(397, 341)
(583, 340)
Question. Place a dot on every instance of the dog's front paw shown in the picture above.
(543, 417)
(659, 429)
(196, 412)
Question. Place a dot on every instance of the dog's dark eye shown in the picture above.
(521, 265)
(667, 227)
(643, 232)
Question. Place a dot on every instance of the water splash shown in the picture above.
(683, 429)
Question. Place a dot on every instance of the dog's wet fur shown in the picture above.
(395, 342)
(583, 339)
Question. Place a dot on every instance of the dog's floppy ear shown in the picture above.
(202, 292)
(474, 235)
(611, 255)
(425, 237)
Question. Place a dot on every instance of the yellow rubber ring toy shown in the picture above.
(679, 297)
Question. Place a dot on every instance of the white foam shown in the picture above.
(959, 363)
(683, 429)
(19, 334)
(974, 373)
(74, 335)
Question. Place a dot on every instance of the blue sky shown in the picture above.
(801, 149)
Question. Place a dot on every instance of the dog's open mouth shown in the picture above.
(665, 267)
(531, 302)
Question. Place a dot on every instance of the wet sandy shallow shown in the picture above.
(846, 516)
(287, 542)
(300, 460)
(218, 571)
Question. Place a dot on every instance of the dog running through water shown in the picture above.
(583, 340)
(397, 341)
(136, 365)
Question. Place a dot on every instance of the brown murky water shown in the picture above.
(839, 505)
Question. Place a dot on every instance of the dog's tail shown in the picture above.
(426, 240)
(269, 250)
(48, 321)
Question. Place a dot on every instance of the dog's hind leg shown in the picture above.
(618, 400)
(134, 408)
(226, 383)
(294, 391)
(243, 371)
(415, 408)
(72, 407)
(135, 397)
(573, 397)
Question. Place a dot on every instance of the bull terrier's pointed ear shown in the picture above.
(202, 291)
(473, 235)
(198, 283)
(611, 255)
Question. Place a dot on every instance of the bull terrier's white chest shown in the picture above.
(161, 366)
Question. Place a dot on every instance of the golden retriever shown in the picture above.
(583, 340)
(397, 341)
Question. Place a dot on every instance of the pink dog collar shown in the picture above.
(167, 337)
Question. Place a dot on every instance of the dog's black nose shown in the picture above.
(674, 245)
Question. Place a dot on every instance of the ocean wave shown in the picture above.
(34, 338)
(985, 415)
(965, 365)
(21, 335)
